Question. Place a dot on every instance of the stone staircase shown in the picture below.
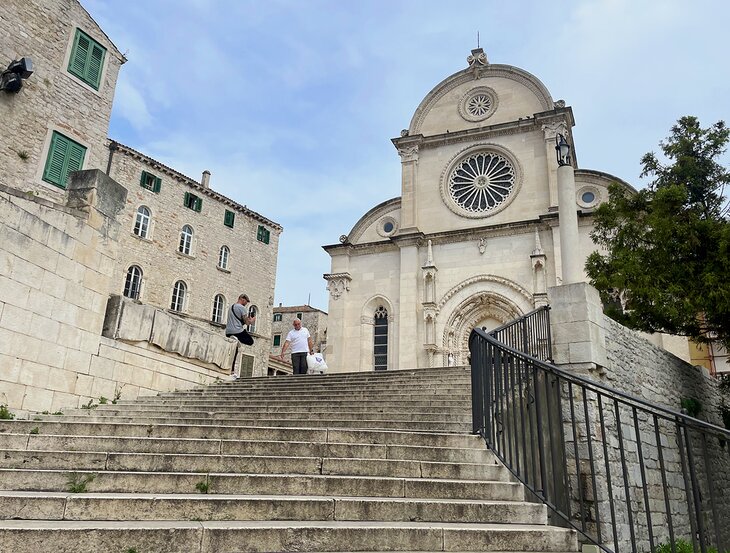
(350, 462)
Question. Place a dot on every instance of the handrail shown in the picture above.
(599, 458)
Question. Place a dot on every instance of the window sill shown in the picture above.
(185, 255)
(142, 238)
(222, 270)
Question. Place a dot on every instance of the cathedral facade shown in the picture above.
(473, 240)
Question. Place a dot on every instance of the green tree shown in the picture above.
(665, 259)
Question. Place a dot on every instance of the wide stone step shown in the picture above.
(392, 395)
(276, 536)
(442, 426)
(232, 413)
(88, 506)
(257, 484)
(286, 402)
(30, 432)
(234, 407)
(151, 462)
(343, 391)
(118, 444)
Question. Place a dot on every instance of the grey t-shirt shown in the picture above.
(234, 324)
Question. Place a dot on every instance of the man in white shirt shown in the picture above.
(301, 345)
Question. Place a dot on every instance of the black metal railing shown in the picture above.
(627, 474)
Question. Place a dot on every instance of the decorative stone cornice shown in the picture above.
(408, 153)
(337, 283)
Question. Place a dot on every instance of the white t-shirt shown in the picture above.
(298, 340)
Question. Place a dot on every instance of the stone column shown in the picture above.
(409, 164)
(569, 242)
(408, 312)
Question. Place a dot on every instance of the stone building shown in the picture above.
(191, 250)
(474, 239)
(313, 319)
(59, 120)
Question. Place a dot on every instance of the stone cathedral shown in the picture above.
(473, 240)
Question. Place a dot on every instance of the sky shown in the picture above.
(291, 104)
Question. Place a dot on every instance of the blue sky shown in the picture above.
(291, 104)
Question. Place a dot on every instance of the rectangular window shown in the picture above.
(64, 156)
(277, 339)
(263, 234)
(150, 182)
(87, 59)
(299, 316)
(229, 218)
(277, 317)
(193, 202)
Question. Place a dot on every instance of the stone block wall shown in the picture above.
(56, 266)
(627, 455)
(52, 98)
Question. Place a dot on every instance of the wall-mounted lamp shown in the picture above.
(562, 149)
(11, 80)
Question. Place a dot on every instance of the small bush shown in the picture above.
(692, 407)
(103, 400)
(35, 430)
(682, 546)
(202, 487)
(89, 405)
(77, 483)
(5, 414)
(57, 413)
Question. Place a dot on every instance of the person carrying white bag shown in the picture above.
(301, 344)
(316, 364)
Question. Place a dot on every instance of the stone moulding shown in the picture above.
(484, 278)
(466, 75)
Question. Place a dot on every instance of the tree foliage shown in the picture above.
(665, 259)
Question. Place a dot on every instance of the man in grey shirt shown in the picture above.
(238, 318)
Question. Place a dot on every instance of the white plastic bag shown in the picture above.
(316, 364)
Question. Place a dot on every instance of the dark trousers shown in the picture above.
(245, 338)
(299, 363)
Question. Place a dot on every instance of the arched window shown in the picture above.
(186, 240)
(219, 303)
(252, 312)
(223, 257)
(133, 282)
(142, 222)
(179, 291)
(380, 339)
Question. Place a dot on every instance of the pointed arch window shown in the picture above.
(186, 240)
(252, 311)
(223, 258)
(380, 339)
(142, 222)
(219, 303)
(133, 282)
(179, 292)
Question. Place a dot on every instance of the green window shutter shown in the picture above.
(79, 54)
(64, 156)
(143, 179)
(158, 185)
(76, 154)
(260, 234)
(198, 204)
(277, 339)
(87, 59)
(229, 218)
(93, 68)
(267, 234)
(186, 201)
(53, 172)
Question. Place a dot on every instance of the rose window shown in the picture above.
(479, 105)
(481, 182)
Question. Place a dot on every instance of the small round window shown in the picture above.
(588, 197)
(388, 227)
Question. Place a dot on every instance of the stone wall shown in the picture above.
(52, 98)
(627, 456)
(56, 265)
